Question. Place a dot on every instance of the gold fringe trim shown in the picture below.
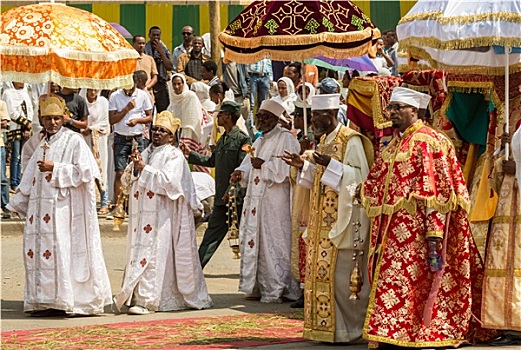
(420, 88)
(483, 87)
(299, 55)
(438, 17)
(76, 83)
(294, 40)
(514, 68)
(457, 44)
(367, 84)
(425, 16)
(121, 54)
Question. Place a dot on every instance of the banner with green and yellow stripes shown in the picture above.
(137, 18)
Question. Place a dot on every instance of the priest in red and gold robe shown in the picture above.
(424, 267)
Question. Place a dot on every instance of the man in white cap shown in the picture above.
(64, 267)
(424, 267)
(337, 230)
(265, 228)
(163, 272)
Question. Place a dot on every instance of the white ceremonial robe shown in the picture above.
(64, 265)
(163, 271)
(343, 178)
(265, 227)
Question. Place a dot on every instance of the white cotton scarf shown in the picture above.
(186, 107)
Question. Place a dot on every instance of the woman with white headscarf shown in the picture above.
(185, 105)
(310, 92)
(202, 91)
(286, 95)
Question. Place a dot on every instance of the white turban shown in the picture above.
(410, 97)
(324, 102)
(273, 107)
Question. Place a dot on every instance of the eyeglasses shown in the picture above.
(186, 33)
(160, 130)
(395, 107)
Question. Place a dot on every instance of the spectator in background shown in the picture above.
(209, 73)
(186, 46)
(261, 78)
(161, 55)
(286, 95)
(129, 109)
(191, 63)
(310, 74)
(4, 118)
(234, 76)
(145, 63)
(293, 71)
(78, 112)
(142, 78)
(20, 111)
(382, 60)
(330, 86)
(96, 136)
(391, 45)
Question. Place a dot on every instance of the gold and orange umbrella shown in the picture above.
(66, 45)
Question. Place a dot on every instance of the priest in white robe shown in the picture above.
(337, 233)
(163, 272)
(64, 267)
(265, 227)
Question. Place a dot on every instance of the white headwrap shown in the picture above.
(202, 91)
(288, 100)
(312, 92)
(186, 107)
(410, 97)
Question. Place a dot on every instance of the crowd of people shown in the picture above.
(373, 243)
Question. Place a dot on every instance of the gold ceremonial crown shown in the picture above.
(167, 121)
(52, 105)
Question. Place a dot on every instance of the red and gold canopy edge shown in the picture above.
(66, 45)
(297, 30)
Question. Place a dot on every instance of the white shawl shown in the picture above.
(186, 107)
(291, 97)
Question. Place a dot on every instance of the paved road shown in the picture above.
(222, 277)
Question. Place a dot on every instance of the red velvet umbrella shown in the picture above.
(298, 29)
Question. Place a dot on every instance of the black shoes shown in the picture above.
(48, 313)
(505, 340)
(299, 304)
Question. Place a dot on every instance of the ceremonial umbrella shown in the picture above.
(69, 46)
(466, 36)
(121, 30)
(362, 63)
(298, 29)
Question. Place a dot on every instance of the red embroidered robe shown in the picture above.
(413, 190)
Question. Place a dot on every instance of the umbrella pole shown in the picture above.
(303, 73)
(508, 49)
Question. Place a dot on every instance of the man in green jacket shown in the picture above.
(227, 156)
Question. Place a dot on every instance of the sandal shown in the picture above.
(103, 211)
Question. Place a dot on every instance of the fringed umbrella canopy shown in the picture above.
(464, 35)
(66, 45)
(298, 29)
